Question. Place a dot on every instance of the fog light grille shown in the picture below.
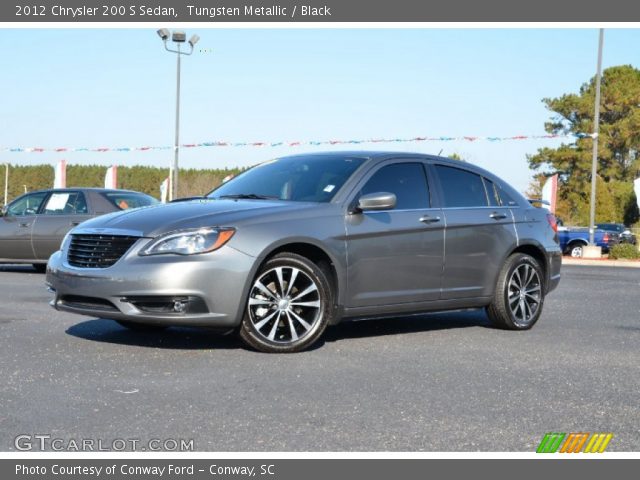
(87, 303)
(178, 305)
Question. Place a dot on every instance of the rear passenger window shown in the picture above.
(407, 181)
(505, 198)
(65, 203)
(492, 193)
(461, 188)
(127, 200)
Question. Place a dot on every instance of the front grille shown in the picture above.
(97, 251)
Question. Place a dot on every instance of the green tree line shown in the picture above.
(618, 147)
(143, 179)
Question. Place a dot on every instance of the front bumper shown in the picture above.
(215, 283)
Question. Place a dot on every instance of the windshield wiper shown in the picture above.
(249, 196)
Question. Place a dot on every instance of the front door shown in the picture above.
(61, 212)
(395, 256)
(16, 226)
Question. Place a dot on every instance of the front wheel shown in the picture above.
(289, 306)
(519, 295)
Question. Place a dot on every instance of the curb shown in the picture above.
(601, 263)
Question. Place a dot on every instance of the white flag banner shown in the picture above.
(164, 190)
(550, 192)
(60, 175)
(636, 188)
(111, 177)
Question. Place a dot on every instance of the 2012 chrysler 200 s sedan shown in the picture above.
(299, 243)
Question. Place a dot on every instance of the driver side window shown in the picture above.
(26, 205)
(408, 181)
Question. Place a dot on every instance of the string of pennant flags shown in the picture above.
(296, 143)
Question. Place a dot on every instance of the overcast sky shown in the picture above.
(116, 88)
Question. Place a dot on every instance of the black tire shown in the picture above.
(273, 321)
(515, 307)
(140, 327)
(40, 267)
(575, 249)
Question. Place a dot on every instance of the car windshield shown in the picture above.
(298, 179)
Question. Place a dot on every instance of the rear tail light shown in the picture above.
(552, 222)
(605, 238)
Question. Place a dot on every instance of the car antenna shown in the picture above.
(440, 151)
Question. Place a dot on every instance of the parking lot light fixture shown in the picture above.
(178, 37)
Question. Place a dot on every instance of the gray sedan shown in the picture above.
(299, 243)
(34, 224)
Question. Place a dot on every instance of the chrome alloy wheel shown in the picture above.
(284, 305)
(576, 252)
(525, 294)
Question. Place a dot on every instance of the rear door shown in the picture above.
(16, 226)
(61, 212)
(395, 256)
(479, 232)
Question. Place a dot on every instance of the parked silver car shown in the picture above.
(33, 225)
(299, 243)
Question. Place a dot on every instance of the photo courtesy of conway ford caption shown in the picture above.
(299, 243)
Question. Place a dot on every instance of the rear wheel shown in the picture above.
(141, 327)
(519, 295)
(576, 250)
(289, 305)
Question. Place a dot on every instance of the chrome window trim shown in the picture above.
(476, 208)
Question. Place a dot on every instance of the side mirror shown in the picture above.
(3, 212)
(377, 201)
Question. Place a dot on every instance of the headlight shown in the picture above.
(189, 242)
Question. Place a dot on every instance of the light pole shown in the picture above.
(596, 130)
(178, 37)
(6, 182)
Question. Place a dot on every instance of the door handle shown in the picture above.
(498, 216)
(24, 224)
(428, 219)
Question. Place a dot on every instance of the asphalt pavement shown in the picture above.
(438, 382)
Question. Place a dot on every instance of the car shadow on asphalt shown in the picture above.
(178, 338)
(183, 338)
(406, 324)
(19, 268)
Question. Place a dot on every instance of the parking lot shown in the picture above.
(443, 382)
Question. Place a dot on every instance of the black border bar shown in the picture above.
(224, 11)
(320, 469)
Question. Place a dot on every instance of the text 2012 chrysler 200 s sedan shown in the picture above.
(299, 243)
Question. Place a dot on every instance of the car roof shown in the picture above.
(364, 154)
(86, 189)
(378, 155)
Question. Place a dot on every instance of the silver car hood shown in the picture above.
(158, 219)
